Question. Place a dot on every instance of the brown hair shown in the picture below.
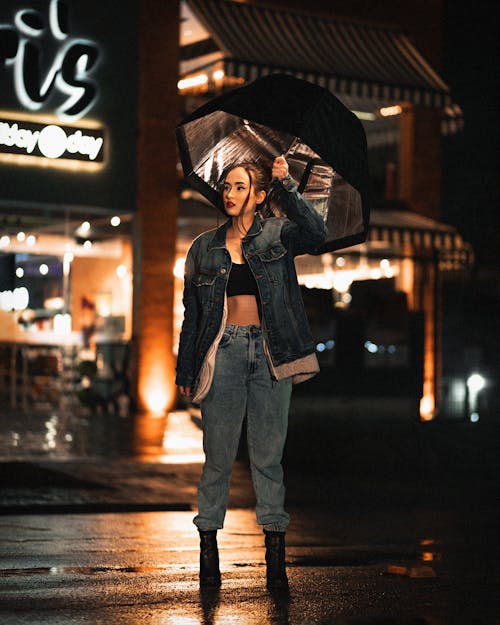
(259, 178)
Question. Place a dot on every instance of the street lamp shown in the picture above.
(475, 384)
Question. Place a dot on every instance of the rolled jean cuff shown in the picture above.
(274, 527)
(206, 525)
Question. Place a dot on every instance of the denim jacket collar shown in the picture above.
(219, 239)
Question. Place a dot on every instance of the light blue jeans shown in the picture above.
(243, 386)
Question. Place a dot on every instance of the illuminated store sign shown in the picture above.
(23, 50)
(50, 141)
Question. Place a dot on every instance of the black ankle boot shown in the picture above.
(275, 560)
(209, 560)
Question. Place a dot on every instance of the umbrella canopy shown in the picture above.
(322, 140)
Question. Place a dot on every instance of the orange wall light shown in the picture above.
(427, 407)
(155, 391)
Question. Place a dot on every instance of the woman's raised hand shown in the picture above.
(280, 168)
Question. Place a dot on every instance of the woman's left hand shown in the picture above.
(280, 168)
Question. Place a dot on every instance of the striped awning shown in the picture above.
(397, 232)
(407, 232)
(359, 60)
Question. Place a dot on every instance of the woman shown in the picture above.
(245, 339)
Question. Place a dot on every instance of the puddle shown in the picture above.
(78, 570)
(354, 558)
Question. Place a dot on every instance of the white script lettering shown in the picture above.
(52, 141)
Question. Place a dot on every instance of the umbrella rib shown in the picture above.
(218, 135)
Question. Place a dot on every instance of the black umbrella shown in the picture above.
(322, 140)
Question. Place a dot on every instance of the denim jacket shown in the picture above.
(269, 248)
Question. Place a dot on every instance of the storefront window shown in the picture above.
(359, 307)
(65, 311)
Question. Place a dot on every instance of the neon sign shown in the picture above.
(51, 141)
(70, 74)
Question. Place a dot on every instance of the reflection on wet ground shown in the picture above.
(59, 435)
(136, 569)
(79, 570)
(358, 552)
(181, 441)
(63, 436)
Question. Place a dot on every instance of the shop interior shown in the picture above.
(65, 308)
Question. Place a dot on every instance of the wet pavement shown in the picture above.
(408, 537)
(60, 435)
(139, 568)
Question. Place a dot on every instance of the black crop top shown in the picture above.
(241, 281)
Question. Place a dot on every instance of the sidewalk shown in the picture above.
(390, 523)
(327, 464)
(380, 568)
(160, 479)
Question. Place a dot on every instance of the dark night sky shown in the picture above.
(471, 193)
(471, 198)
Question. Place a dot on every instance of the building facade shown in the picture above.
(95, 220)
(382, 297)
(87, 204)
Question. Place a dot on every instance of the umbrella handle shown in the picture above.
(282, 156)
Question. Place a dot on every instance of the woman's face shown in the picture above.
(235, 192)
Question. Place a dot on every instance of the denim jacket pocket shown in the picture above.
(204, 284)
(204, 279)
(274, 252)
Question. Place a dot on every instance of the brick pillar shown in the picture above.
(420, 186)
(427, 297)
(420, 160)
(155, 227)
